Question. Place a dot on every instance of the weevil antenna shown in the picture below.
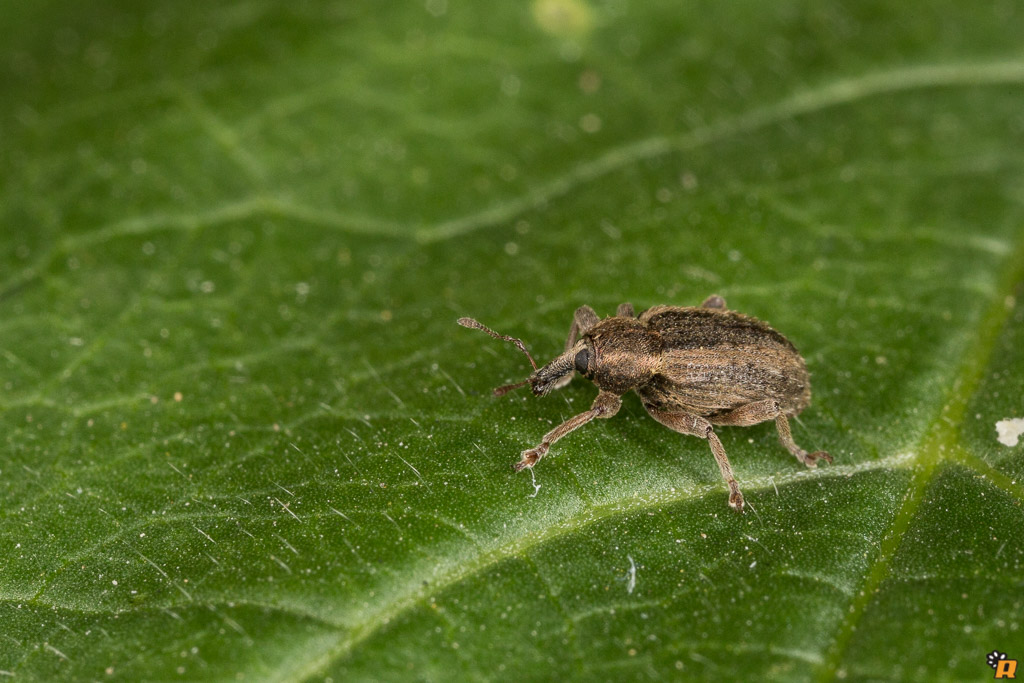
(501, 391)
(474, 325)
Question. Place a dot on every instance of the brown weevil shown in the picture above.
(693, 368)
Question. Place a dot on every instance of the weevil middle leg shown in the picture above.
(694, 425)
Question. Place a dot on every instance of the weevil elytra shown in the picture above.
(693, 368)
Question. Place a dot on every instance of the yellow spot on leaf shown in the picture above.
(563, 18)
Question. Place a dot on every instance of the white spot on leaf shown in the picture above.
(1009, 430)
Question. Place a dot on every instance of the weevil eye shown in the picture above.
(582, 360)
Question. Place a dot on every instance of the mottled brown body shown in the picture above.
(693, 367)
(713, 361)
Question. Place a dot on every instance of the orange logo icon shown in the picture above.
(1005, 668)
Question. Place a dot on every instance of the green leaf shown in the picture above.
(243, 436)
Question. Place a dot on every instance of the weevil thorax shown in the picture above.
(623, 354)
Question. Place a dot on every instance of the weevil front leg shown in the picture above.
(625, 311)
(685, 423)
(605, 405)
(582, 321)
(761, 411)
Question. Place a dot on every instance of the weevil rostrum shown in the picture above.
(693, 367)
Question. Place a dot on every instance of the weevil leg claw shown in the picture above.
(530, 457)
(736, 499)
(811, 459)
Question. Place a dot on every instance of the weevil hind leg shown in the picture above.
(605, 405)
(786, 439)
(693, 425)
(762, 411)
(714, 301)
(582, 321)
(625, 311)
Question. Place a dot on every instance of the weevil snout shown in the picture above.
(546, 379)
(558, 372)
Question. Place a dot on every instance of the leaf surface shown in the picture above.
(243, 436)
